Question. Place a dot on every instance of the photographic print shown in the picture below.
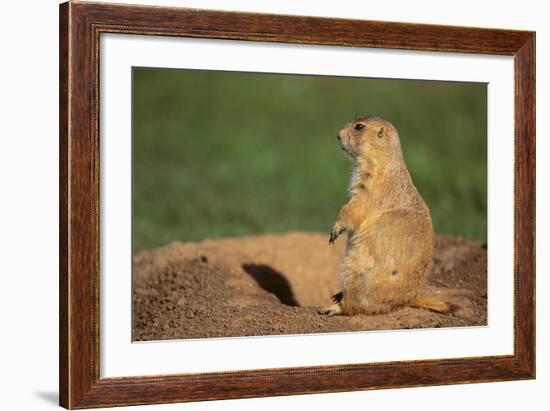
(276, 204)
(239, 184)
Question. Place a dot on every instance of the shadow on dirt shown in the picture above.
(273, 281)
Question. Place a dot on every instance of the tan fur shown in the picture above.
(390, 237)
(430, 304)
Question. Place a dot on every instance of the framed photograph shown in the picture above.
(260, 205)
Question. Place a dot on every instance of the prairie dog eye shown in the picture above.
(359, 126)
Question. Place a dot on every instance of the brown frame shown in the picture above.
(80, 27)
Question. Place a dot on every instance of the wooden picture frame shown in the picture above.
(80, 27)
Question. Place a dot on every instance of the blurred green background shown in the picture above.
(218, 154)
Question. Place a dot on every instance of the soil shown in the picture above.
(271, 284)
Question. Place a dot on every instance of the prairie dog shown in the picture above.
(389, 247)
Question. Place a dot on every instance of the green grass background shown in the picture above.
(218, 154)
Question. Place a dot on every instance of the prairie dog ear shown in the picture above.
(382, 132)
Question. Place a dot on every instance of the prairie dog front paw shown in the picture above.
(335, 233)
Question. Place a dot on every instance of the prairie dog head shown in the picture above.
(370, 138)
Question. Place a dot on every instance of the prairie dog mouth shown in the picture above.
(345, 149)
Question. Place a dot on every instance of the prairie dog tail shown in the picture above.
(429, 303)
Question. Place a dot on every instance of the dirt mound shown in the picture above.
(271, 284)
